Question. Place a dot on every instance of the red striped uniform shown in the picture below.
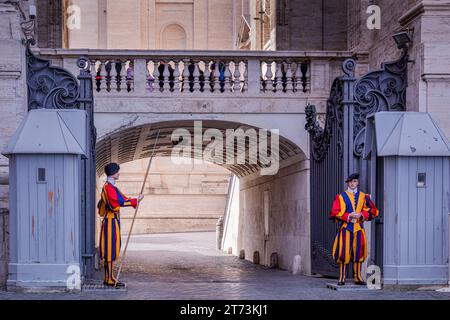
(110, 240)
(110, 230)
(350, 243)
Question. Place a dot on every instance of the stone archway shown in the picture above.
(273, 218)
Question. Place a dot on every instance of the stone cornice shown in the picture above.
(102, 53)
(425, 6)
(430, 77)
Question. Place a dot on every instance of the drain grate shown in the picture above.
(99, 286)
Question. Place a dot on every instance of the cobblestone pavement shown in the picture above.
(187, 266)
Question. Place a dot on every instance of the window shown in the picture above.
(41, 175)
(421, 180)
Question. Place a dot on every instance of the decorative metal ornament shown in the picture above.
(320, 137)
(50, 86)
(380, 90)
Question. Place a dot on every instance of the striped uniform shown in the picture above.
(350, 243)
(110, 230)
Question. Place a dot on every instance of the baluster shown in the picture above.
(150, 76)
(196, 76)
(160, 70)
(130, 76)
(244, 77)
(118, 67)
(98, 75)
(165, 77)
(228, 76)
(236, 76)
(171, 66)
(202, 66)
(294, 67)
(263, 64)
(221, 70)
(269, 75)
(156, 74)
(206, 77)
(277, 81)
(108, 67)
(304, 79)
(212, 76)
(113, 77)
(281, 76)
(176, 76)
(288, 75)
(191, 68)
(185, 76)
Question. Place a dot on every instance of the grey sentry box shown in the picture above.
(410, 162)
(44, 162)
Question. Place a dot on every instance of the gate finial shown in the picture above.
(349, 66)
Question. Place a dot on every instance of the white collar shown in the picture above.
(111, 180)
(352, 191)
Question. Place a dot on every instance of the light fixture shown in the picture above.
(32, 12)
(402, 39)
(29, 26)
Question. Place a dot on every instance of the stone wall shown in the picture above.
(428, 23)
(275, 217)
(50, 23)
(13, 104)
(429, 76)
(382, 47)
(154, 24)
(307, 25)
(230, 238)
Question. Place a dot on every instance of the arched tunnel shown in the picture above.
(267, 215)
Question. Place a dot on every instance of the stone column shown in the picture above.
(429, 75)
(14, 106)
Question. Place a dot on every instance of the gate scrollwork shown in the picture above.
(380, 90)
(321, 137)
(50, 86)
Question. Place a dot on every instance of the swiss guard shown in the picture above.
(109, 209)
(350, 209)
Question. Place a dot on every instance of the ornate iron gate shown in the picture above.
(336, 149)
(54, 87)
(330, 153)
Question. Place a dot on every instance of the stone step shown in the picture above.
(347, 287)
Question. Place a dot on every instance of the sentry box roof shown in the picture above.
(405, 134)
(50, 131)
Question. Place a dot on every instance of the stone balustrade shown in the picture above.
(174, 73)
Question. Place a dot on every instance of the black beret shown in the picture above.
(352, 176)
(111, 168)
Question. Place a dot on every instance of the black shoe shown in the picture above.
(108, 284)
(361, 283)
(341, 283)
(119, 284)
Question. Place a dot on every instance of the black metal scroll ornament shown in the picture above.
(321, 137)
(50, 86)
(381, 90)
